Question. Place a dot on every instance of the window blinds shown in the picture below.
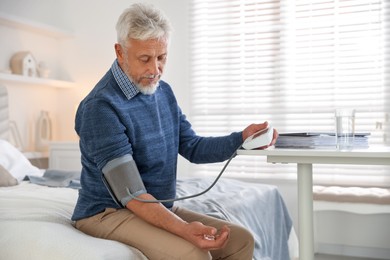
(291, 63)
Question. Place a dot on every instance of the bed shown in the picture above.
(35, 219)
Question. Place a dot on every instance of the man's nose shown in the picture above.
(154, 67)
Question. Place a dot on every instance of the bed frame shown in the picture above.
(4, 121)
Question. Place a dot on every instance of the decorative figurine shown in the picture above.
(23, 63)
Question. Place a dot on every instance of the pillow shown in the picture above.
(15, 162)
(6, 178)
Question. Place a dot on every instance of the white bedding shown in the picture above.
(35, 224)
(35, 221)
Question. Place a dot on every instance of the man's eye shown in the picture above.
(144, 59)
(162, 57)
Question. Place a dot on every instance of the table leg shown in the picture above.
(305, 209)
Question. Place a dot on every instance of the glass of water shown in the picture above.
(345, 128)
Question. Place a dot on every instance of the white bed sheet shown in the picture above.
(35, 224)
(35, 221)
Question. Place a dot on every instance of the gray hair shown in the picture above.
(142, 22)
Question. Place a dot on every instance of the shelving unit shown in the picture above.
(13, 78)
(65, 156)
(19, 23)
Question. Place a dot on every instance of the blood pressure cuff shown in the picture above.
(123, 180)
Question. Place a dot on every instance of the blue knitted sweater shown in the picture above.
(112, 123)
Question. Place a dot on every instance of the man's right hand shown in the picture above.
(206, 237)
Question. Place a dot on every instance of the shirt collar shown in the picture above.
(128, 88)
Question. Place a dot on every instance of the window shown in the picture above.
(291, 63)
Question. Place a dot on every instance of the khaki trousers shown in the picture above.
(155, 243)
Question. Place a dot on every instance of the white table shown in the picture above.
(305, 158)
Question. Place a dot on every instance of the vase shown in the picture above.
(43, 132)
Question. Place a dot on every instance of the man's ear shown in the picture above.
(119, 52)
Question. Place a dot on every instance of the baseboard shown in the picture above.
(353, 251)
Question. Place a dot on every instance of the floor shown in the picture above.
(330, 257)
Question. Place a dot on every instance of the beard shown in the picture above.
(148, 89)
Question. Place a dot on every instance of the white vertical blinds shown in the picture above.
(291, 63)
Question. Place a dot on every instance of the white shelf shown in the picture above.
(32, 26)
(19, 79)
(20, 23)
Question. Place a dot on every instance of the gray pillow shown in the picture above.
(6, 179)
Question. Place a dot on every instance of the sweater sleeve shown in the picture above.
(199, 149)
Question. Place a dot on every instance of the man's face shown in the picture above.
(143, 62)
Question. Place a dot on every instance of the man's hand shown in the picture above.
(253, 128)
(206, 237)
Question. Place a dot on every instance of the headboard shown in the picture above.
(4, 121)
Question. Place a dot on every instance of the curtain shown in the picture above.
(291, 63)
